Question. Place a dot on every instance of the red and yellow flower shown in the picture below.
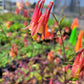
(26, 3)
(19, 4)
(78, 66)
(39, 21)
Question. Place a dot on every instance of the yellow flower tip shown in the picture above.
(52, 1)
(34, 37)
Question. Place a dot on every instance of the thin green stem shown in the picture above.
(62, 44)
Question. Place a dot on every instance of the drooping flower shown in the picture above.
(74, 24)
(36, 15)
(26, 3)
(43, 21)
(25, 23)
(25, 13)
(8, 24)
(78, 66)
(39, 21)
(17, 11)
(19, 4)
(79, 41)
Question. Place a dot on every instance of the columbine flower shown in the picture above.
(19, 4)
(43, 21)
(26, 3)
(17, 11)
(25, 23)
(78, 66)
(39, 21)
(8, 24)
(25, 13)
(36, 15)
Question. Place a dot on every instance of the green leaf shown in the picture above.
(61, 20)
(73, 37)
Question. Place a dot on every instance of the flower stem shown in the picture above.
(62, 44)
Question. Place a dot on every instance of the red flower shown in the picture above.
(8, 24)
(78, 66)
(17, 11)
(43, 21)
(39, 21)
(19, 4)
(36, 14)
(25, 23)
(26, 3)
(25, 13)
